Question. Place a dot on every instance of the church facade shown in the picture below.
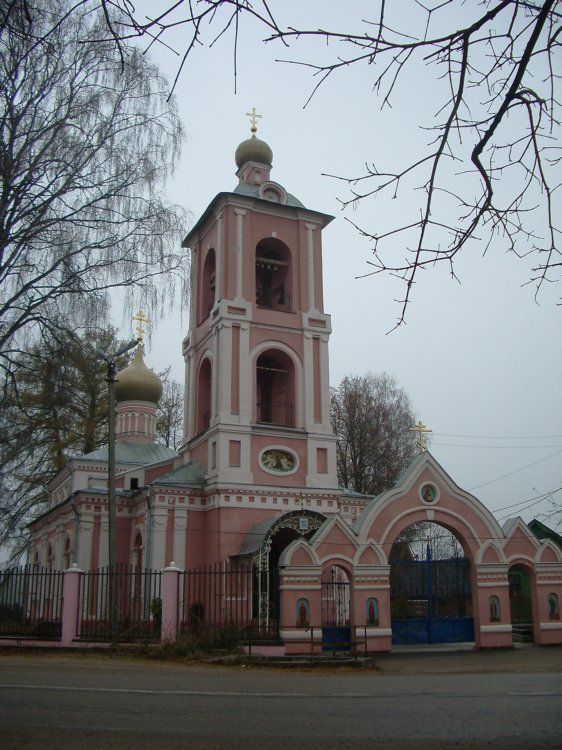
(254, 483)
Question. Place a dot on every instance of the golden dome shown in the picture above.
(253, 149)
(137, 382)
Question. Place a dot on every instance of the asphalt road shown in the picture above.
(88, 702)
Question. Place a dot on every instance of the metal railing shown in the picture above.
(123, 603)
(31, 602)
(276, 412)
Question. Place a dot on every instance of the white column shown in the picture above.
(223, 371)
(310, 257)
(308, 381)
(325, 383)
(219, 259)
(180, 525)
(240, 213)
(247, 380)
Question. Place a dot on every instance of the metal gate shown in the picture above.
(336, 630)
(431, 601)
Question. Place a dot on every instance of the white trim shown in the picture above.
(556, 625)
(301, 634)
(496, 629)
(376, 632)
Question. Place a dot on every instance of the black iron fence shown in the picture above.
(218, 595)
(120, 603)
(31, 602)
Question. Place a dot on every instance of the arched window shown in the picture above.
(208, 283)
(273, 275)
(67, 554)
(50, 557)
(275, 389)
(203, 397)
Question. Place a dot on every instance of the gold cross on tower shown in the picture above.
(420, 428)
(141, 318)
(254, 117)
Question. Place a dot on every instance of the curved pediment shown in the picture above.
(370, 554)
(520, 541)
(490, 554)
(548, 553)
(425, 492)
(298, 553)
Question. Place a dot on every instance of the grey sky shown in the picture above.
(480, 360)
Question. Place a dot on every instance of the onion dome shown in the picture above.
(253, 149)
(137, 382)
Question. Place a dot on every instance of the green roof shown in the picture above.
(543, 532)
(130, 452)
(190, 474)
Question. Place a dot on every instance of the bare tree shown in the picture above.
(85, 146)
(489, 171)
(371, 417)
(57, 407)
(169, 417)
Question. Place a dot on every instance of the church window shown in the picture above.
(67, 553)
(273, 275)
(203, 400)
(275, 389)
(208, 284)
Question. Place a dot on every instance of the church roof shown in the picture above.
(130, 452)
(190, 474)
(253, 191)
(543, 532)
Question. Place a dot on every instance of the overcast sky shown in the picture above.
(480, 360)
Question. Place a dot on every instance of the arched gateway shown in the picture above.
(425, 494)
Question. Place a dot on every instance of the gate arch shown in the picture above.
(431, 596)
(264, 544)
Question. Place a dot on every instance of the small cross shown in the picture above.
(420, 428)
(254, 117)
(141, 318)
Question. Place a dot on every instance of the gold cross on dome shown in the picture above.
(141, 318)
(420, 428)
(254, 117)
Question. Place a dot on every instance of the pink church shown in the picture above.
(254, 485)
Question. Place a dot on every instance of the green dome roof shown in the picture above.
(253, 149)
(137, 382)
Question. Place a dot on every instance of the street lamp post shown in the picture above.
(112, 508)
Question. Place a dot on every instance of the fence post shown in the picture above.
(170, 603)
(71, 605)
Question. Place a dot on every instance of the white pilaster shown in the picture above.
(240, 213)
(310, 259)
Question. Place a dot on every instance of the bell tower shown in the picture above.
(257, 407)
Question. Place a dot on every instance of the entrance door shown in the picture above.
(521, 604)
(336, 632)
(431, 601)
